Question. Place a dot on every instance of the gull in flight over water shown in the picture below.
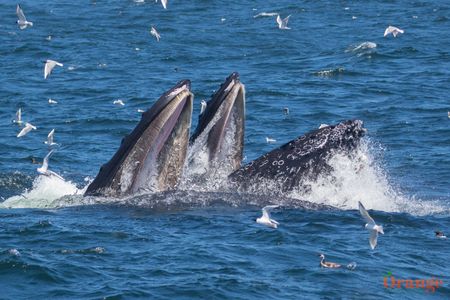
(203, 106)
(155, 33)
(49, 65)
(373, 228)
(18, 119)
(394, 30)
(49, 140)
(22, 22)
(266, 14)
(265, 218)
(270, 140)
(44, 169)
(282, 23)
(163, 2)
(28, 127)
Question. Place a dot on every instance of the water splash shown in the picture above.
(44, 191)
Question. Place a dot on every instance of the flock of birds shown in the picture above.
(371, 226)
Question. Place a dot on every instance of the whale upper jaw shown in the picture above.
(221, 126)
(303, 158)
(152, 157)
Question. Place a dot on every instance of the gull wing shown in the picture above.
(20, 14)
(266, 209)
(373, 239)
(50, 137)
(46, 158)
(279, 21)
(19, 115)
(164, 3)
(24, 131)
(286, 20)
(388, 30)
(365, 214)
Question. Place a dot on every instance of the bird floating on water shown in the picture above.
(373, 228)
(44, 169)
(282, 23)
(22, 22)
(51, 101)
(49, 65)
(440, 235)
(28, 127)
(265, 218)
(18, 119)
(118, 102)
(155, 33)
(49, 140)
(140, 110)
(328, 264)
(270, 140)
(393, 30)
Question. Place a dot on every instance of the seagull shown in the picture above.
(265, 219)
(28, 127)
(18, 119)
(44, 169)
(203, 107)
(282, 23)
(266, 14)
(49, 140)
(22, 22)
(394, 30)
(328, 264)
(270, 140)
(118, 102)
(373, 228)
(155, 33)
(323, 126)
(140, 111)
(440, 235)
(51, 101)
(49, 65)
(163, 2)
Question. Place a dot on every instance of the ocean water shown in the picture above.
(333, 65)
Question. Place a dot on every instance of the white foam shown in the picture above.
(45, 190)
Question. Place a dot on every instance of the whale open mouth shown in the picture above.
(221, 125)
(152, 157)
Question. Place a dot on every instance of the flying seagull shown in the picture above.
(22, 22)
(394, 30)
(155, 33)
(265, 218)
(266, 14)
(28, 127)
(373, 228)
(270, 140)
(49, 140)
(49, 65)
(118, 102)
(282, 23)
(44, 169)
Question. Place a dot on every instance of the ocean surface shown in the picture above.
(332, 65)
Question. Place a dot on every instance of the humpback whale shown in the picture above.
(298, 161)
(159, 155)
(152, 157)
(218, 140)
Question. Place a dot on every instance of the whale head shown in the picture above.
(151, 157)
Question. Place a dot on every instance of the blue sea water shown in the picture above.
(334, 64)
